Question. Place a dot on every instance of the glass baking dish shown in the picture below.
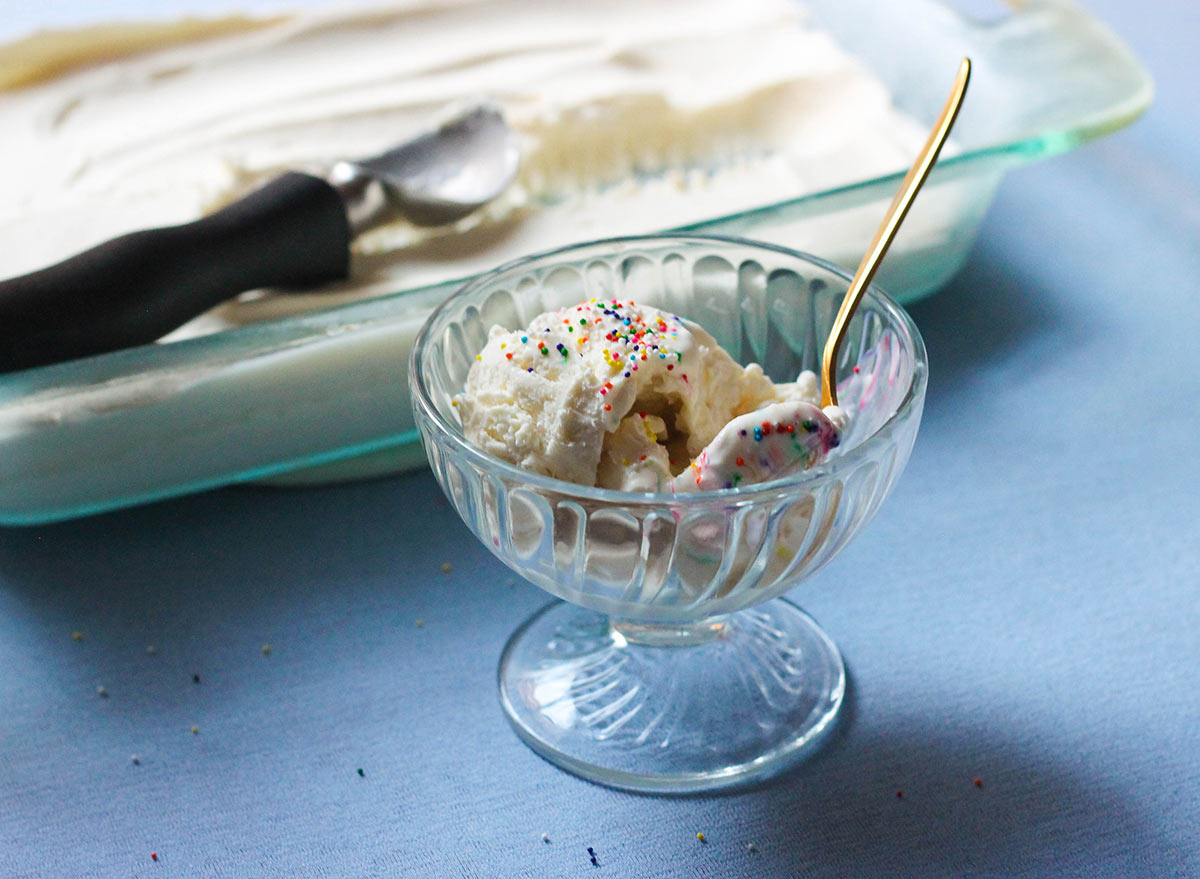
(325, 396)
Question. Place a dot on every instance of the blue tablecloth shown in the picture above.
(1023, 611)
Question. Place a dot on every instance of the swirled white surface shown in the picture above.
(627, 396)
(633, 117)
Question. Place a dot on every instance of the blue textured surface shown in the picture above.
(1024, 610)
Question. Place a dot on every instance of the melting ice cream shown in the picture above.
(625, 396)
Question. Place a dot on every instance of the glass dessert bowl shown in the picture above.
(671, 663)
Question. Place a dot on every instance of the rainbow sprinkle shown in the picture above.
(795, 436)
(634, 337)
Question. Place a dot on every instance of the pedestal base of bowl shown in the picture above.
(672, 709)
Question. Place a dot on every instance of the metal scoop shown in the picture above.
(295, 232)
(435, 179)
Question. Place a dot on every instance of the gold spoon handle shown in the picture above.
(887, 230)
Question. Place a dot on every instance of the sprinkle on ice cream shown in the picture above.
(626, 396)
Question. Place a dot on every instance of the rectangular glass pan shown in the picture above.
(325, 396)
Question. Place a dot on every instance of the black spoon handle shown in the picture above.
(134, 289)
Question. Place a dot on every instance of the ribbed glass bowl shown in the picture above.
(674, 666)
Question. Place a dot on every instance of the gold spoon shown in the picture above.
(888, 228)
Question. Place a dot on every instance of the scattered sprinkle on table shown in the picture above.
(446, 568)
(135, 760)
(266, 649)
(546, 838)
(592, 855)
(979, 782)
(361, 774)
(154, 856)
(151, 650)
(195, 678)
(700, 836)
(751, 848)
(419, 623)
(899, 794)
(195, 731)
(101, 692)
(77, 636)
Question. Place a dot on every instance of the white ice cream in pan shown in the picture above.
(633, 117)
(626, 396)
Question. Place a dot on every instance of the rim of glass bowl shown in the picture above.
(454, 435)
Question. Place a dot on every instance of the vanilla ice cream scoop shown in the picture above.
(547, 397)
(769, 443)
(626, 396)
(634, 457)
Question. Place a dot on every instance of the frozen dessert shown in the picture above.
(765, 444)
(633, 117)
(626, 396)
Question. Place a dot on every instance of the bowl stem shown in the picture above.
(669, 634)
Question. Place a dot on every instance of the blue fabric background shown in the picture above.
(1024, 611)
